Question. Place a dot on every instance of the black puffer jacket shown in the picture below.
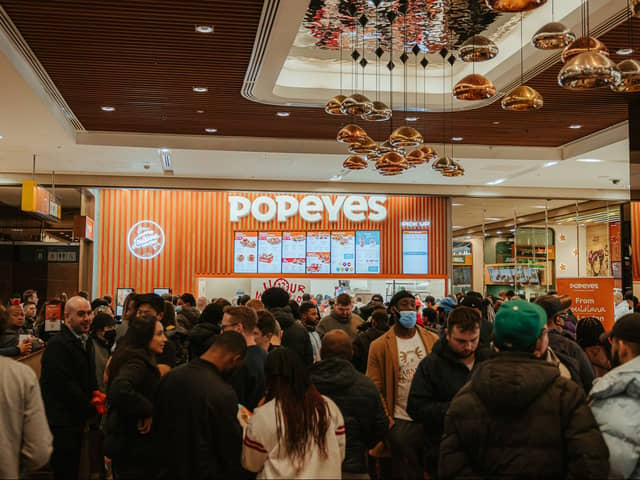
(518, 419)
(361, 346)
(294, 335)
(359, 401)
(437, 380)
(565, 346)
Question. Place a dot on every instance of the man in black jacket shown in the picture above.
(440, 375)
(356, 395)
(361, 344)
(195, 423)
(68, 379)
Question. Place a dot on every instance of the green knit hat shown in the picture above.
(518, 325)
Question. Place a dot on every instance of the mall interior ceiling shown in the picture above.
(199, 94)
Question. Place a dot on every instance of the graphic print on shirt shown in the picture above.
(409, 361)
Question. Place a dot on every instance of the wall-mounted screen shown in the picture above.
(319, 252)
(415, 252)
(343, 252)
(294, 252)
(368, 252)
(121, 295)
(245, 252)
(269, 252)
(162, 291)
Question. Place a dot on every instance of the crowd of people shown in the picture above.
(410, 388)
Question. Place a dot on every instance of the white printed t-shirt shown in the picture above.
(410, 352)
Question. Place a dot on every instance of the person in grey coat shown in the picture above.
(615, 399)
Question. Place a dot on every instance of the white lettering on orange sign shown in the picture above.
(355, 208)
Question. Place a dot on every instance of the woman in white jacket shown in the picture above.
(297, 433)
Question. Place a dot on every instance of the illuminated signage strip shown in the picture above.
(39, 201)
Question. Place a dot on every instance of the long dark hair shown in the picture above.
(303, 410)
(135, 342)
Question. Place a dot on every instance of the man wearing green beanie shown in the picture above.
(518, 417)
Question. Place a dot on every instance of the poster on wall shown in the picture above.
(245, 252)
(318, 252)
(590, 297)
(415, 252)
(295, 287)
(597, 250)
(294, 252)
(367, 252)
(269, 252)
(121, 295)
(343, 252)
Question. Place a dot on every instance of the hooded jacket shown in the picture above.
(359, 401)
(294, 335)
(333, 322)
(519, 419)
(614, 402)
(567, 347)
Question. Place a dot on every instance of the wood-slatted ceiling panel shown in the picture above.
(144, 57)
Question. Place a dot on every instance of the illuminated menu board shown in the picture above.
(294, 252)
(368, 252)
(319, 252)
(245, 252)
(269, 252)
(415, 252)
(343, 252)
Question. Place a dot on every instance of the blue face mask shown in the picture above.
(408, 319)
(178, 308)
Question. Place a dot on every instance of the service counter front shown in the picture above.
(225, 243)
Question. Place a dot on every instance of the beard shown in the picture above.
(615, 359)
(463, 355)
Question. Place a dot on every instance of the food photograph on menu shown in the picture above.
(415, 252)
(343, 252)
(318, 252)
(245, 252)
(269, 252)
(294, 252)
(367, 252)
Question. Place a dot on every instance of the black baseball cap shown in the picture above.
(472, 301)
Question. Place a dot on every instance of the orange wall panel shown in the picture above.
(635, 240)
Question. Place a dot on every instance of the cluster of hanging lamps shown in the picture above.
(513, 6)
(474, 86)
(629, 68)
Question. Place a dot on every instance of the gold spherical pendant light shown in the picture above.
(373, 156)
(553, 36)
(477, 49)
(379, 113)
(351, 134)
(635, 8)
(428, 152)
(334, 106)
(522, 99)
(355, 162)
(587, 71)
(630, 76)
(582, 45)
(474, 87)
(514, 5)
(356, 104)
(443, 163)
(405, 137)
(391, 163)
(415, 158)
(366, 147)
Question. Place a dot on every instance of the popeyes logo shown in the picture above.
(311, 208)
(145, 240)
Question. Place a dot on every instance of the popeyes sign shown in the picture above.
(295, 287)
(311, 208)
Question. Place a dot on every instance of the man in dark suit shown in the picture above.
(67, 381)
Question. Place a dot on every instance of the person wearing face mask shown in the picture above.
(195, 425)
(615, 399)
(393, 360)
(309, 318)
(103, 336)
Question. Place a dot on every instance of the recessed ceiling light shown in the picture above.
(283, 114)
(211, 130)
(204, 28)
(164, 150)
(457, 139)
(496, 123)
(550, 164)
(512, 229)
(499, 232)
(200, 89)
(1, 137)
(540, 206)
(497, 181)
(457, 204)
(336, 178)
(575, 127)
(107, 108)
(456, 227)
(588, 160)
(493, 219)
(624, 51)
(199, 111)
(411, 119)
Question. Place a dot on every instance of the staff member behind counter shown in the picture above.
(14, 339)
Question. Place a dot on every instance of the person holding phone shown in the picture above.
(15, 340)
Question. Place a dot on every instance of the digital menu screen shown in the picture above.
(269, 252)
(367, 252)
(415, 252)
(343, 252)
(294, 252)
(245, 252)
(318, 252)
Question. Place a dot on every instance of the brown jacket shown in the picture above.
(383, 367)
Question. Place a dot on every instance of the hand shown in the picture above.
(144, 425)
(25, 347)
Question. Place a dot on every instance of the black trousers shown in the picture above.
(65, 459)
(407, 445)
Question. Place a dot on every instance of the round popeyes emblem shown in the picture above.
(145, 240)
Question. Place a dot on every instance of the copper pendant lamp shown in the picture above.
(630, 76)
(415, 158)
(582, 45)
(356, 104)
(428, 152)
(456, 170)
(355, 162)
(553, 36)
(443, 163)
(351, 134)
(379, 113)
(477, 49)
(365, 147)
(391, 163)
(522, 99)
(373, 156)
(514, 5)
(587, 71)
(474, 87)
(405, 137)
(334, 106)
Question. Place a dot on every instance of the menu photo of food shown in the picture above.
(343, 252)
(294, 252)
(318, 252)
(245, 252)
(269, 252)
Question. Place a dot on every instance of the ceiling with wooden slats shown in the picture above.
(144, 57)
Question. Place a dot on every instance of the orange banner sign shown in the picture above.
(590, 297)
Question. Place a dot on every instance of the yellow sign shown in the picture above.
(39, 201)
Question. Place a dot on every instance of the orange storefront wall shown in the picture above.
(199, 236)
(635, 240)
